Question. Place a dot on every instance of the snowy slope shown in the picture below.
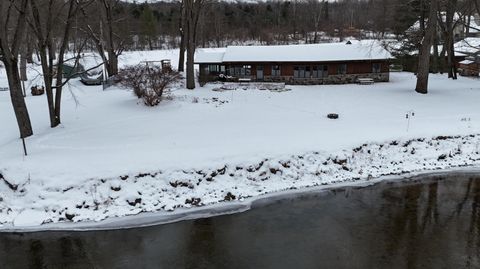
(109, 135)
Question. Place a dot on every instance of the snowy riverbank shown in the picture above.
(98, 199)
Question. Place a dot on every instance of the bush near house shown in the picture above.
(149, 83)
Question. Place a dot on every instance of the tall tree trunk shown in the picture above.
(63, 48)
(449, 40)
(47, 69)
(112, 54)
(23, 70)
(112, 63)
(18, 101)
(23, 66)
(467, 27)
(9, 50)
(442, 60)
(435, 60)
(452, 69)
(181, 55)
(192, 13)
(190, 59)
(426, 46)
(29, 49)
(54, 48)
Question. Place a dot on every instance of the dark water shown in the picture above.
(429, 223)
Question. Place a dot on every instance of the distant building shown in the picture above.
(468, 68)
(331, 63)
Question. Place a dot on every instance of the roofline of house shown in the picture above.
(273, 62)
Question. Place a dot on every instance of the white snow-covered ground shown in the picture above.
(112, 156)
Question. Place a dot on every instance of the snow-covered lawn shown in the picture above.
(112, 156)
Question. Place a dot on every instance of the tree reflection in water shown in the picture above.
(473, 241)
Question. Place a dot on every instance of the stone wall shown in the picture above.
(331, 79)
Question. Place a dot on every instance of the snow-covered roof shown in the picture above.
(470, 45)
(466, 62)
(327, 52)
(213, 55)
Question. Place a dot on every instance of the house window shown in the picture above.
(296, 71)
(320, 71)
(276, 72)
(247, 70)
(213, 68)
(301, 71)
(342, 69)
(241, 71)
(376, 68)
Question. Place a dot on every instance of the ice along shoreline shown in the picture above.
(149, 219)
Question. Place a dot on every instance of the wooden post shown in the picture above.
(24, 147)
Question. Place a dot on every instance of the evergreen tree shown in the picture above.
(149, 26)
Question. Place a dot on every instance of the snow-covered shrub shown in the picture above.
(132, 77)
(149, 83)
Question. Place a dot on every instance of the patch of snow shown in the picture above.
(29, 217)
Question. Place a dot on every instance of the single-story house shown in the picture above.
(468, 68)
(329, 63)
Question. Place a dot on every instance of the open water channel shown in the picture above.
(424, 222)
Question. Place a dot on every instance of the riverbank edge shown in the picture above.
(175, 195)
(148, 219)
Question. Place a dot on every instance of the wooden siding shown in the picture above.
(354, 68)
(468, 69)
(267, 69)
(357, 67)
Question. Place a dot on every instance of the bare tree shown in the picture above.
(108, 42)
(447, 25)
(113, 48)
(10, 44)
(182, 32)
(192, 14)
(315, 16)
(43, 24)
(425, 49)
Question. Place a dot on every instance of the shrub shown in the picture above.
(149, 83)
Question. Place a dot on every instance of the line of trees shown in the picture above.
(221, 23)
